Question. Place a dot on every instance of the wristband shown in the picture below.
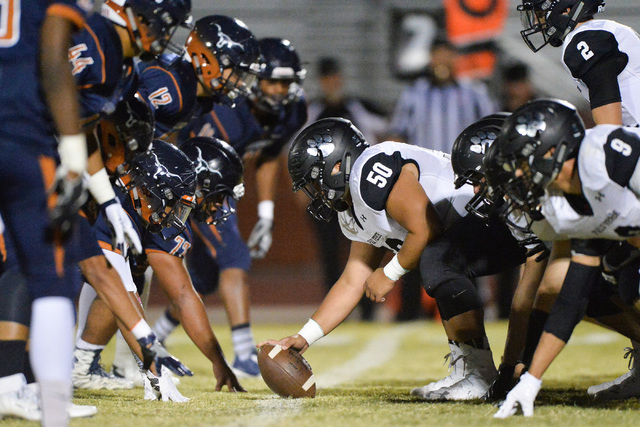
(73, 152)
(311, 332)
(100, 187)
(265, 209)
(393, 270)
(141, 329)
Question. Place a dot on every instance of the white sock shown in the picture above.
(123, 354)
(243, 343)
(52, 355)
(165, 325)
(83, 345)
(87, 295)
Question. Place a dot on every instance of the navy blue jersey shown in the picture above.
(103, 75)
(24, 117)
(278, 130)
(169, 87)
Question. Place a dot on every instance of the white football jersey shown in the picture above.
(373, 176)
(603, 39)
(607, 166)
(525, 229)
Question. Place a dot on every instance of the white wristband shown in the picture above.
(393, 270)
(141, 329)
(73, 152)
(311, 332)
(100, 187)
(265, 209)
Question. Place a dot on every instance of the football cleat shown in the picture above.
(477, 370)
(247, 368)
(456, 372)
(632, 355)
(16, 400)
(89, 374)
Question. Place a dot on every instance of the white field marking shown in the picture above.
(334, 340)
(599, 338)
(378, 351)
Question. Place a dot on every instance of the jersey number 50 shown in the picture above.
(9, 22)
(378, 176)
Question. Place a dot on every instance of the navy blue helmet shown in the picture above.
(220, 175)
(162, 188)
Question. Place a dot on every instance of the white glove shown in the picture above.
(121, 227)
(161, 388)
(524, 394)
(260, 239)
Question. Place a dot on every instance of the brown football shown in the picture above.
(286, 372)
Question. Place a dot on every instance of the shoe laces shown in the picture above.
(631, 354)
(452, 360)
(97, 368)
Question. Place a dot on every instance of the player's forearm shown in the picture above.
(337, 305)
(608, 114)
(267, 179)
(58, 84)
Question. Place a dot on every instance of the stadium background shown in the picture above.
(367, 37)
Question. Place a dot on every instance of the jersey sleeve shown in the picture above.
(621, 153)
(161, 90)
(595, 58)
(378, 176)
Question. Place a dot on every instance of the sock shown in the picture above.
(12, 357)
(83, 345)
(27, 371)
(165, 324)
(51, 345)
(87, 295)
(478, 343)
(537, 319)
(243, 344)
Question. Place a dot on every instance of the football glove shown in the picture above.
(70, 194)
(260, 239)
(502, 385)
(523, 394)
(153, 351)
(122, 230)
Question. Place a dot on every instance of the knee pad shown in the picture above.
(15, 297)
(455, 297)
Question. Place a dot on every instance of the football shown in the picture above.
(286, 372)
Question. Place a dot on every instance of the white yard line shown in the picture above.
(378, 351)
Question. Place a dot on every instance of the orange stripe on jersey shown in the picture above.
(225, 136)
(67, 13)
(211, 248)
(95, 38)
(107, 246)
(48, 167)
(175, 83)
(157, 251)
(3, 248)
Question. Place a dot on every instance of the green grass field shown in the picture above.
(364, 373)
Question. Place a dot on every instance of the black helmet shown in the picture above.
(536, 140)
(467, 155)
(219, 42)
(544, 21)
(320, 161)
(125, 133)
(220, 176)
(162, 187)
(280, 61)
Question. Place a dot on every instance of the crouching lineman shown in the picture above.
(585, 184)
(402, 198)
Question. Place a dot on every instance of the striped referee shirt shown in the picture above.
(433, 116)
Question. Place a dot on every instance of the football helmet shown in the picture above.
(280, 62)
(220, 176)
(162, 188)
(545, 21)
(467, 155)
(150, 23)
(125, 133)
(533, 145)
(219, 43)
(320, 161)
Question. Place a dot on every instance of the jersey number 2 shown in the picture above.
(378, 176)
(9, 22)
(585, 51)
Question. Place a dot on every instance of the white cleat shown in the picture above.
(597, 390)
(456, 372)
(161, 388)
(89, 374)
(475, 371)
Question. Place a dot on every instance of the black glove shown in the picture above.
(153, 351)
(70, 194)
(502, 385)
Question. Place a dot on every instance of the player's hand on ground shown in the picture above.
(378, 285)
(502, 385)
(523, 394)
(154, 352)
(226, 377)
(296, 342)
(260, 239)
(122, 228)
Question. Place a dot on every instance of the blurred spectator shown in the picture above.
(517, 88)
(431, 113)
(335, 102)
